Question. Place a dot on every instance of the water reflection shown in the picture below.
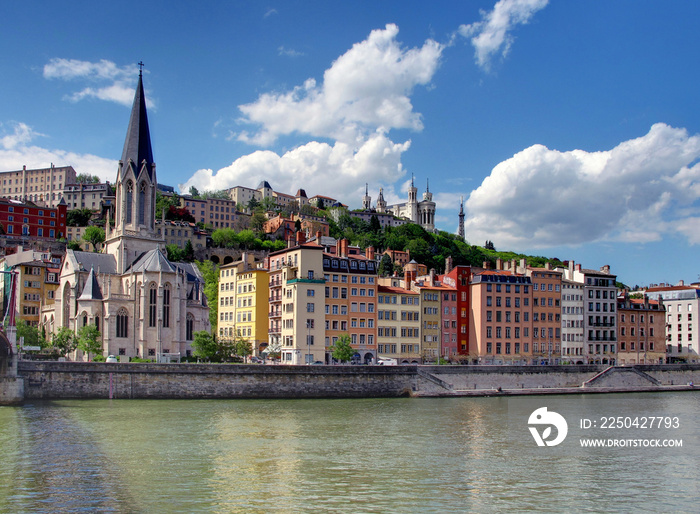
(378, 455)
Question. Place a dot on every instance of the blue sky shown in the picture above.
(571, 129)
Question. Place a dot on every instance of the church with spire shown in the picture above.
(420, 212)
(143, 305)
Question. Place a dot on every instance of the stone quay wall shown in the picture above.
(63, 380)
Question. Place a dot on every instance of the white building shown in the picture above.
(682, 304)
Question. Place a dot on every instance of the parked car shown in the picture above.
(111, 358)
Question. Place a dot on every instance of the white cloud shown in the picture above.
(365, 89)
(288, 52)
(16, 151)
(116, 84)
(637, 192)
(492, 35)
(339, 171)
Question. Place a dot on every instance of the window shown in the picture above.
(166, 306)
(129, 200)
(152, 299)
(122, 323)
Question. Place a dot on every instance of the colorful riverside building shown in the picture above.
(399, 322)
(571, 321)
(641, 328)
(458, 278)
(351, 288)
(546, 312)
(296, 306)
(501, 324)
(430, 290)
(243, 303)
(682, 327)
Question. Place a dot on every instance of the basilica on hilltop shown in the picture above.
(420, 212)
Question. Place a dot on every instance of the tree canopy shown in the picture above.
(342, 350)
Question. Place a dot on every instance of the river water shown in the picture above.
(347, 456)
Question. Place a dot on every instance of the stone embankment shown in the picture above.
(60, 380)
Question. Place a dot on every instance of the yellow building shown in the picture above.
(243, 302)
(36, 283)
(398, 325)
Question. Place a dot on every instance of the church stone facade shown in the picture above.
(420, 212)
(142, 304)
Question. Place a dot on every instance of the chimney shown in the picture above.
(513, 265)
(499, 264)
(486, 265)
(448, 264)
(318, 237)
(605, 269)
(548, 265)
(681, 283)
(432, 276)
(301, 237)
(523, 264)
(571, 266)
(369, 253)
(578, 267)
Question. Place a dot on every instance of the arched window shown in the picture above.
(97, 322)
(189, 329)
(129, 200)
(122, 322)
(142, 203)
(152, 299)
(166, 306)
(85, 318)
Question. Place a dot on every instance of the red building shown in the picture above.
(458, 278)
(31, 221)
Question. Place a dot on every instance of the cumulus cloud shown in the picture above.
(636, 192)
(339, 170)
(17, 150)
(365, 89)
(112, 83)
(492, 34)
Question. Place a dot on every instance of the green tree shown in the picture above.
(374, 224)
(268, 204)
(95, 236)
(204, 345)
(342, 351)
(386, 266)
(253, 204)
(243, 347)
(74, 245)
(246, 238)
(194, 192)
(175, 254)
(210, 273)
(257, 221)
(78, 217)
(86, 178)
(29, 333)
(188, 252)
(224, 237)
(64, 341)
(89, 340)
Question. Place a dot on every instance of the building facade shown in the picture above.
(641, 325)
(30, 221)
(243, 303)
(43, 187)
(682, 303)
